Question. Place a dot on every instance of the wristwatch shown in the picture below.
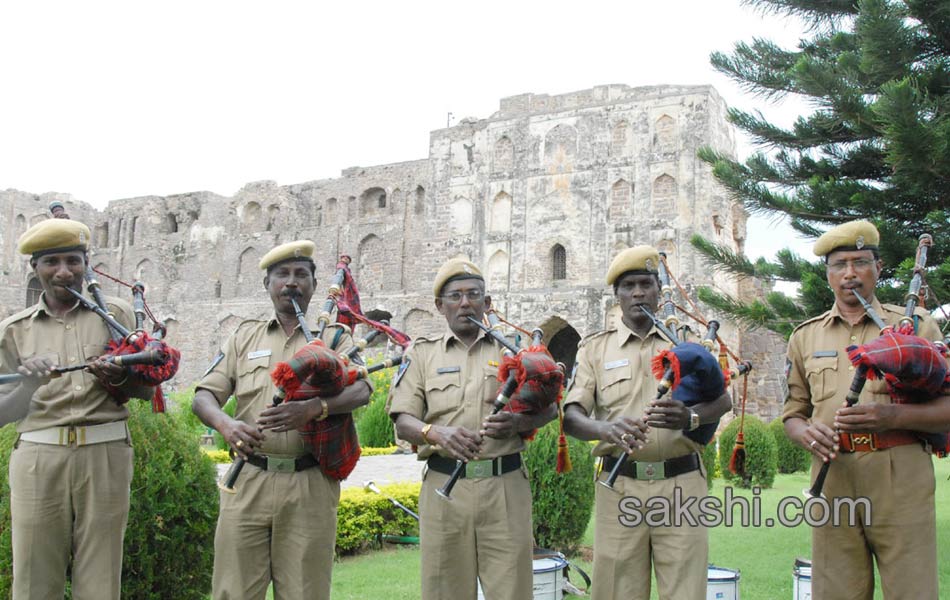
(693, 420)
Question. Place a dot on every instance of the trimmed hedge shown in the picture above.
(760, 451)
(792, 458)
(363, 515)
(169, 541)
(562, 503)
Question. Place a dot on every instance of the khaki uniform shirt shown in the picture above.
(79, 336)
(446, 383)
(614, 379)
(243, 366)
(819, 372)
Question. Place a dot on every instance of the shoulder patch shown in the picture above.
(402, 370)
(214, 363)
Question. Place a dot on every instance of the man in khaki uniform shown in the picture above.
(875, 455)
(441, 400)
(611, 399)
(72, 464)
(280, 525)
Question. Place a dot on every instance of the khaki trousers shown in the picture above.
(623, 555)
(278, 527)
(899, 482)
(69, 501)
(484, 532)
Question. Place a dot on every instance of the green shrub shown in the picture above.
(761, 460)
(562, 503)
(373, 424)
(363, 515)
(169, 541)
(792, 458)
(710, 462)
(230, 407)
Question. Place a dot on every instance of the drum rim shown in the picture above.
(559, 564)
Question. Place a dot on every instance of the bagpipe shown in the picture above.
(531, 381)
(914, 369)
(318, 370)
(150, 358)
(692, 372)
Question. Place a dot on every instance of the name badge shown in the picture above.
(623, 362)
(258, 354)
(442, 370)
(823, 353)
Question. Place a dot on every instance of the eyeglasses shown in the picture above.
(859, 264)
(474, 296)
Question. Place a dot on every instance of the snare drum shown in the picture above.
(722, 584)
(548, 579)
(801, 582)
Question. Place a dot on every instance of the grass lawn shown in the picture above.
(765, 556)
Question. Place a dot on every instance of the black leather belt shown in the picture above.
(282, 465)
(477, 468)
(664, 469)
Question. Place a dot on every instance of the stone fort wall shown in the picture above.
(542, 194)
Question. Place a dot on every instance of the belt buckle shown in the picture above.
(478, 469)
(650, 470)
(863, 442)
(281, 465)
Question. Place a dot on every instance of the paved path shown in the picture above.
(380, 469)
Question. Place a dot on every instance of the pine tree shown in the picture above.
(877, 145)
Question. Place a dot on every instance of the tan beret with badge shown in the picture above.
(456, 268)
(54, 235)
(639, 258)
(853, 235)
(299, 250)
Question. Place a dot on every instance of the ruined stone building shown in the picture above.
(542, 194)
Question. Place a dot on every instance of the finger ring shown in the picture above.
(813, 442)
(239, 443)
(623, 438)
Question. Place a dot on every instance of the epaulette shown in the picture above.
(899, 310)
(426, 339)
(596, 334)
(812, 320)
(18, 316)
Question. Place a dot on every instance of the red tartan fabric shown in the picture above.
(540, 379)
(321, 369)
(314, 371)
(349, 297)
(914, 369)
(152, 375)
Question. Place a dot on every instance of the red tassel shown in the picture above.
(737, 461)
(662, 361)
(285, 378)
(563, 450)
(158, 400)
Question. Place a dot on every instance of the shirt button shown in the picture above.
(72, 359)
(69, 327)
(854, 337)
(851, 368)
(78, 388)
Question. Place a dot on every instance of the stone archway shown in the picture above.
(561, 339)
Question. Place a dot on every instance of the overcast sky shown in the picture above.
(108, 100)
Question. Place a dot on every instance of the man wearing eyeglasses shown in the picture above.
(874, 452)
(441, 400)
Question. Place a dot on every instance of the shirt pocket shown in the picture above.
(92, 351)
(252, 379)
(615, 386)
(490, 384)
(822, 375)
(443, 394)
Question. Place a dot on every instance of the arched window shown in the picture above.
(33, 291)
(504, 154)
(618, 138)
(558, 262)
(171, 223)
(420, 204)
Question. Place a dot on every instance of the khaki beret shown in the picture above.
(638, 258)
(853, 235)
(456, 268)
(54, 235)
(299, 250)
